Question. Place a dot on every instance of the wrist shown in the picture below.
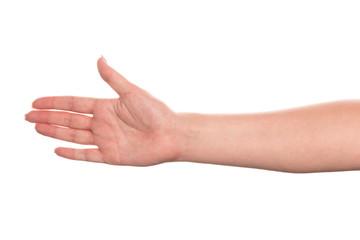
(190, 127)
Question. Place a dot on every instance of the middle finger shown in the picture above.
(66, 119)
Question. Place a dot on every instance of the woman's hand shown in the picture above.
(137, 129)
(134, 129)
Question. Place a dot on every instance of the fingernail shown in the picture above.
(26, 117)
(103, 58)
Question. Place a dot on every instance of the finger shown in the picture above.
(113, 78)
(91, 155)
(69, 103)
(65, 119)
(66, 134)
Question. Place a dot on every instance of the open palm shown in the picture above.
(134, 129)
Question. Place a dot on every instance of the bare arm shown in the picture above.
(321, 137)
(139, 130)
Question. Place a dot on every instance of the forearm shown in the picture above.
(322, 137)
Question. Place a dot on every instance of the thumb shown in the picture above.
(112, 77)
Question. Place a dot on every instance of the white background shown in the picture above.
(197, 56)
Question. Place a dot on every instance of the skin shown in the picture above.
(137, 129)
(134, 129)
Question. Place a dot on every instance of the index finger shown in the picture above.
(69, 103)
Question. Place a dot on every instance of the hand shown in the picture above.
(134, 129)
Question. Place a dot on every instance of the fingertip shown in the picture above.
(42, 128)
(38, 127)
(103, 58)
(117, 81)
(101, 68)
(28, 116)
(106, 72)
(34, 103)
(101, 61)
(61, 152)
(57, 151)
(37, 103)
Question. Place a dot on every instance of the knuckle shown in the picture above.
(71, 103)
(67, 120)
(70, 120)
(86, 155)
(73, 136)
